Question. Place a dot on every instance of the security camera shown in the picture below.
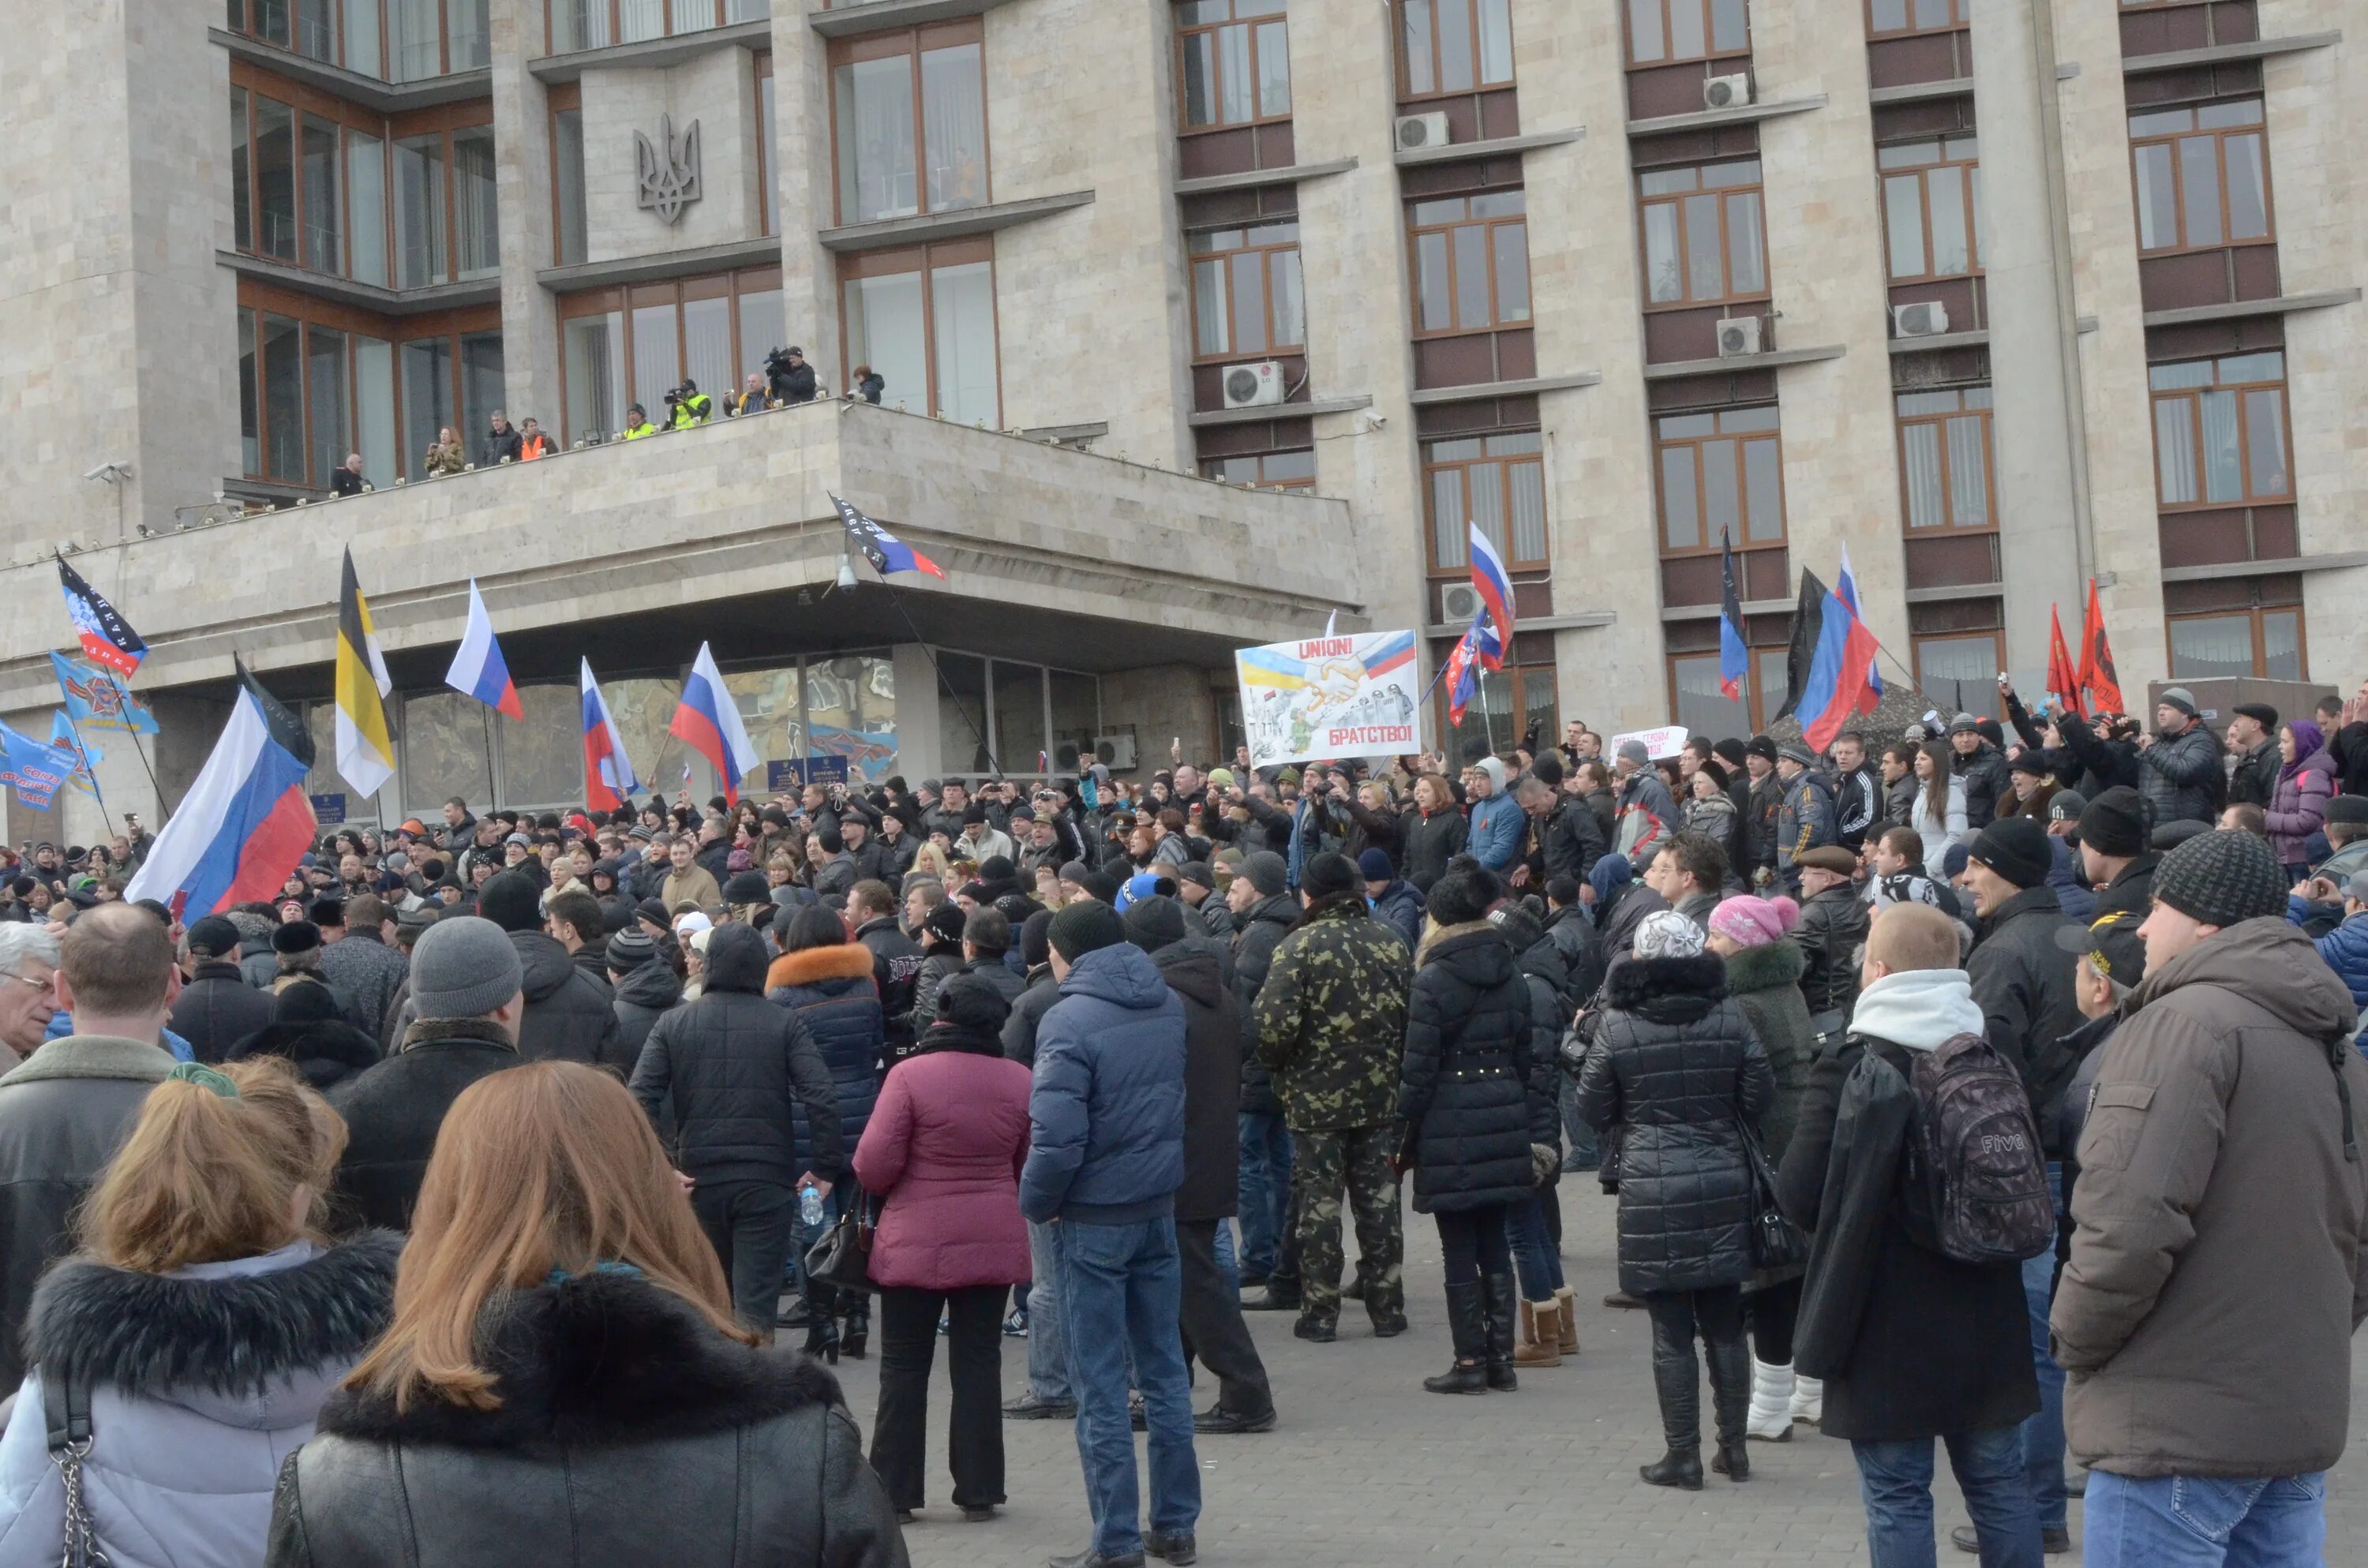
(110, 472)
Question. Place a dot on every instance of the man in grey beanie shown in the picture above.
(2179, 773)
(467, 1001)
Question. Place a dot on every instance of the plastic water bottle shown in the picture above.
(810, 1204)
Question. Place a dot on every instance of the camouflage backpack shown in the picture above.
(1977, 1148)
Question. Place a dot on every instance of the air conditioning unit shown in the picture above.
(1422, 131)
(1254, 386)
(1925, 318)
(1115, 752)
(1738, 336)
(1727, 92)
(1458, 603)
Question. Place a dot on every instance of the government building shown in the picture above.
(1197, 322)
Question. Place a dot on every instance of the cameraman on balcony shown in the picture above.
(689, 405)
(792, 379)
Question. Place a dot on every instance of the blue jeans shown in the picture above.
(2192, 1521)
(1228, 1263)
(1121, 1301)
(1047, 1346)
(1265, 1189)
(2043, 1434)
(1585, 1154)
(1896, 1481)
(1534, 1258)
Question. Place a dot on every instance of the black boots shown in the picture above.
(857, 1335)
(1730, 1394)
(1467, 1323)
(1680, 1468)
(822, 1322)
(1502, 1299)
(1677, 1382)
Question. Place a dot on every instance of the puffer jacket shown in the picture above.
(1983, 773)
(2345, 948)
(1263, 927)
(1570, 839)
(1765, 981)
(630, 1432)
(831, 991)
(1467, 1083)
(1331, 1019)
(1833, 928)
(1574, 936)
(1677, 1067)
(735, 1066)
(1106, 1110)
(2179, 777)
(2300, 804)
(1028, 1014)
(569, 1016)
(201, 1383)
(943, 1148)
(1400, 908)
(940, 962)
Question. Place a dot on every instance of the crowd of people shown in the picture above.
(1965, 1089)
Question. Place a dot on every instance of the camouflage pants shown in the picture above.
(1358, 1158)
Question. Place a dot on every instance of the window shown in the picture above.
(568, 229)
(1453, 46)
(910, 117)
(2203, 176)
(1496, 481)
(1703, 241)
(1666, 31)
(925, 320)
(419, 211)
(1721, 475)
(1272, 471)
(242, 163)
(1247, 298)
(1885, 18)
(447, 220)
(1965, 667)
(1703, 707)
(1932, 207)
(308, 186)
(317, 381)
(476, 216)
(1944, 458)
(275, 179)
(595, 24)
(768, 182)
(2220, 431)
(2263, 642)
(366, 205)
(1508, 702)
(310, 27)
(1233, 62)
(621, 345)
(1471, 262)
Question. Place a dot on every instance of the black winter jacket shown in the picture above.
(1263, 927)
(896, 962)
(1430, 843)
(2179, 777)
(2132, 889)
(1574, 936)
(393, 1110)
(1833, 928)
(631, 1435)
(1468, 1081)
(1983, 772)
(737, 1067)
(1019, 1028)
(643, 997)
(328, 1051)
(1572, 839)
(2254, 778)
(831, 991)
(568, 1014)
(217, 1009)
(1213, 1082)
(1677, 1068)
(2022, 981)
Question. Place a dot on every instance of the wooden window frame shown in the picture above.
(1406, 95)
(1676, 201)
(1268, 251)
(2220, 135)
(2193, 397)
(1921, 173)
(1940, 420)
(1754, 702)
(1742, 438)
(336, 56)
(1251, 25)
(924, 259)
(1416, 231)
(1306, 483)
(1959, 20)
(1516, 676)
(1628, 35)
(623, 300)
(912, 43)
(301, 101)
(720, 8)
(1998, 642)
(2254, 613)
(439, 119)
(768, 218)
(1505, 462)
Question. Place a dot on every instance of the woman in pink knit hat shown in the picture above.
(1764, 965)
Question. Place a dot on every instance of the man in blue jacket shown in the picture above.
(1497, 826)
(1105, 1158)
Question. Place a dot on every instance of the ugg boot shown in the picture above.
(1808, 1402)
(1540, 1335)
(1467, 1325)
(1501, 1297)
(1771, 1420)
(1566, 1322)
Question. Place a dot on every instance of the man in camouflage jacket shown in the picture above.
(1331, 1023)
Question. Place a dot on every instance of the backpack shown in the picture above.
(1976, 1150)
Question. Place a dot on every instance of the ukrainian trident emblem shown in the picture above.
(669, 168)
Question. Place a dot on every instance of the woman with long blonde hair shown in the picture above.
(196, 1330)
(563, 1380)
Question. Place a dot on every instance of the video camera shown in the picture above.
(676, 394)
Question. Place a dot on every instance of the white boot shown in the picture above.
(1770, 1419)
(1808, 1400)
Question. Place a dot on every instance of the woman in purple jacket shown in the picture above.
(2296, 807)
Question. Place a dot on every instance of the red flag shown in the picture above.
(2100, 687)
(2063, 675)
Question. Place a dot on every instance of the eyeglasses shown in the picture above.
(40, 985)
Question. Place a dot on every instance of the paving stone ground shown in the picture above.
(1367, 1471)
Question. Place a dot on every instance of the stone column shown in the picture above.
(522, 188)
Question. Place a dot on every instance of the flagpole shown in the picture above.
(485, 713)
(123, 706)
(1487, 719)
(90, 769)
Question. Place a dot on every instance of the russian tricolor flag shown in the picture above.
(608, 776)
(478, 669)
(244, 822)
(709, 723)
(1495, 586)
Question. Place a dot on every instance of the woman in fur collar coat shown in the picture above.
(203, 1320)
(563, 1381)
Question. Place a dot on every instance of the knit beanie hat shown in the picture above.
(629, 949)
(945, 923)
(2114, 823)
(464, 967)
(2221, 878)
(1750, 921)
(747, 887)
(1666, 933)
(2178, 696)
(1330, 874)
(1375, 866)
(1265, 871)
(1082, 928)
(1634, 751)
(1036, 940)
(512, 902)
(1155, 922)
(2016, 848)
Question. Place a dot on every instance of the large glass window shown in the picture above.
(447, 220)
(1496, 481)
(250, 390)
(312, 389)
(909, 112)
(476, 216)
(363, 39)
(1507, 701)
(1965, 667)
(768, 182)
(630, 346)
(2203, 176)
(1453, 46)
(594, 350)
(2266, 644)
(241, 172)
(568, 230)
(366, 204)
(468, 35)
(430, 400)
(275, 179)
(1722, 477)
(1665, 32)
(595, 24)
(480, 383)
(1886, 19)
(1290, 469)
(283, 400)
(1932, 207)
(1944, 458)
(323, 249)
(415, 39)
(1233, 62)
(1471, 262)
(328, 401)
(1247, 294)
(419, 211)
(1705, 243)
(308, 186)
(1019, 739)
(2220, 431)
(934, 346)
(1702, 705)
(374, 409)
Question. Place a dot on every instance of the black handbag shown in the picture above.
(65, 1402)
(841, 1256)
(1776, 1241)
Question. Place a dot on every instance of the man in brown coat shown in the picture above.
(2217, 1269)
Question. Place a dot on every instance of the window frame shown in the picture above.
(2173, 141)
(625, 299)
(911, 42)
(1252, 26)
(1970, 195)
(1755, 692)
(1415, 233)
(1743, 437)
(564, 97)
(1405, 63)
(2254, 615)
(926, 259)
(443, 120)
(1939, 420)
(2193, 396)
(301, 101)
(1295, 481)
(1517, 673)
(1193, 260)
(719, 9)
(1505, 462)
(1959, 20)
(768, 197)
(1676, 201)
(1709, 32)
(1980, 690)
